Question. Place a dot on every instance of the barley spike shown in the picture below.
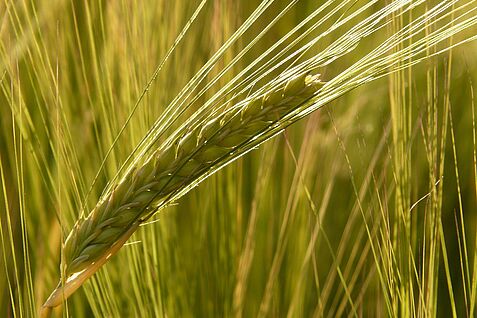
(136, 197)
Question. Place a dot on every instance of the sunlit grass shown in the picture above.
(364, 206)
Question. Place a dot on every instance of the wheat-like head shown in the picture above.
(136, 197)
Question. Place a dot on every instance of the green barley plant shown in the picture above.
(271, 66)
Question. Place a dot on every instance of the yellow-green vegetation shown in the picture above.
(216, 158)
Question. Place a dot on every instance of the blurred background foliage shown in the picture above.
(365, 208)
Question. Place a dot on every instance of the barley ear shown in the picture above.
(94, 239)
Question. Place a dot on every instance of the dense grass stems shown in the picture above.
(238, 158)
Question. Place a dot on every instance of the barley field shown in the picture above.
(221, 158)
